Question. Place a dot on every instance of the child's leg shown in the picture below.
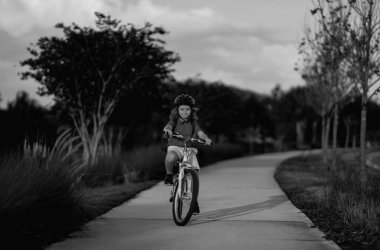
(171, 158)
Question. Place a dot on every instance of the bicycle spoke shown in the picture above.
(184, 201)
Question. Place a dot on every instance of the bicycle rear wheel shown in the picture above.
(184, 202)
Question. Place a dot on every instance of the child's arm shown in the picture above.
(203, 136)
(169, 127)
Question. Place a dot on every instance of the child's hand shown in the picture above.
(168, 131)
(208, 141)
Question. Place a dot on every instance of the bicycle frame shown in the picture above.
(186, 152)
(184, 163)
(181, 190)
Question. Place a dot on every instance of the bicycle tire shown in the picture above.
(181, 217)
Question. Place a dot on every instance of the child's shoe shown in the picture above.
(171, 199)
(168, 180)
(196, 209)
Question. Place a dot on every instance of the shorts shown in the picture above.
(192, 159)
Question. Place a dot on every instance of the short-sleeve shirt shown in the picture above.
(184, 128)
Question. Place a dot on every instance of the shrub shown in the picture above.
(108, 170)
(38, 191)
(35, 197)
(110, 164)
(218, 152)
(355, 199)
(145, 163)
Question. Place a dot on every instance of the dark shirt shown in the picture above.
(184, 128)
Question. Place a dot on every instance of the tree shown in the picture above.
(314, 72)
(26, 119)
(89, 69)
(333, 49)
(364, 58)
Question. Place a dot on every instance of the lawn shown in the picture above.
(346, 209)
(46, 193)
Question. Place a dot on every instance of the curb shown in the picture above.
(369, 161)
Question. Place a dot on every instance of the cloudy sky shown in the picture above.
(251, 44)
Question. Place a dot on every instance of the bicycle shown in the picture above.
(186, 184)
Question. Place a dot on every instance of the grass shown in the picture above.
(102, 199)
(45, 193)
(35, 196)
(342, 204)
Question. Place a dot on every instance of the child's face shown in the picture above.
(184, 111)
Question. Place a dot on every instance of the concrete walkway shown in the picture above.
(242, 207)
(370, 160)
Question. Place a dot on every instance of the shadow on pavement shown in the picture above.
(227, 213)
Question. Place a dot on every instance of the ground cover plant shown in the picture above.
(343, 205)
(45, 195)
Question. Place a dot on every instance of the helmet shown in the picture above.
(184, 99)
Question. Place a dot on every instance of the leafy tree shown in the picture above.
(212, 99)
(25, 117)
(364, 58)
(292, 113)
(331, 43)
(89, 69)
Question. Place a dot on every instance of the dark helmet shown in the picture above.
(184, 99)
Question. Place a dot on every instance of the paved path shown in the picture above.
(242, 207)
(370, 160)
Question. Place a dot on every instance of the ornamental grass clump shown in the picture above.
(39, 198)
(145, 163)
(356, 200)
(109, 167)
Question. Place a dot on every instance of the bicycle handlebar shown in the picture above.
(181, 137)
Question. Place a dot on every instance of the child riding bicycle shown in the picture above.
(182, 120)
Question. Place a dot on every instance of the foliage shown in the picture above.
(218, 152)
(89, 69)
(145, 163)
(24, 117)
(341, 205)
(36, 195)
(241, 109)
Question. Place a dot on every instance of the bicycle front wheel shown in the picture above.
(184, 201)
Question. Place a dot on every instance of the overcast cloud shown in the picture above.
(250, 44)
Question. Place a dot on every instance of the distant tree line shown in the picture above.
(117, 76)
(279, 121)
(341, 60)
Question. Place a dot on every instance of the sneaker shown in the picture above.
(171, 196)
(168, 180)
(196, 209)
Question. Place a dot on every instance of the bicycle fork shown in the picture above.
(179, 180)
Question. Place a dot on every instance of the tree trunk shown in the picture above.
(335, 135)
(327, 137)
(347, 140)
(90, 139)
(323, 139)
(363, 126)
(300, 127)
(314, 138)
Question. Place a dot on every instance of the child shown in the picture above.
(184, 121)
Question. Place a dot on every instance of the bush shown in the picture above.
(145, 163)
(36, 195)
(218, 152)
(106, 171)
(357, 200)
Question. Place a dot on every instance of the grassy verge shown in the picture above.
(100, 200)
(343, 205)
(43, 199)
